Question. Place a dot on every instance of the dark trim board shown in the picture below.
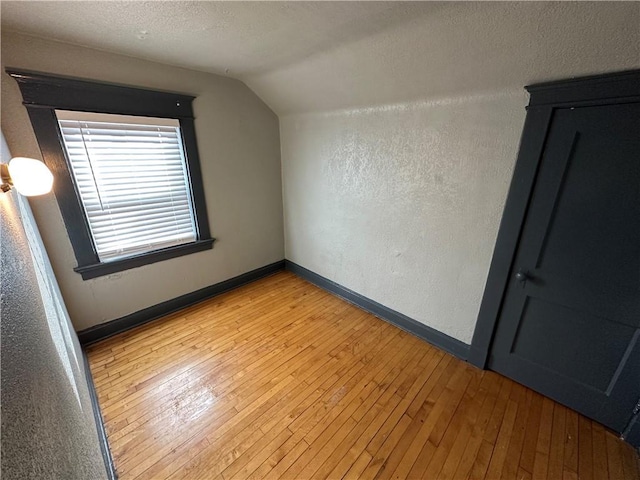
(632, 434)
(48, 91)
(43, 93)
(120, 325)
(108, 329)
(420, 330)
(99, 269)
(97, 415)
(535, 130)
(605, 88)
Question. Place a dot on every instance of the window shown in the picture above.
(127, 176)
(131, 176)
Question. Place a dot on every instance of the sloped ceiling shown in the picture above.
(316, 56)
(236, 38)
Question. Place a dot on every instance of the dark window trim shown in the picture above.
(106, 268)
(607, 89)
(42, 94)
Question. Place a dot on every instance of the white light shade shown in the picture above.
(30, 177)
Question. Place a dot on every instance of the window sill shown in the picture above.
(107, 268)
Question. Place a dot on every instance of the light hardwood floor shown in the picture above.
(279, 379)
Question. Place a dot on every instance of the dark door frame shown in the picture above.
(607, 89)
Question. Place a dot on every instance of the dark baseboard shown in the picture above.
(97, 415)
(108, 329)
(439, 339)
(478, 357)
(631, 433)
(420, 330)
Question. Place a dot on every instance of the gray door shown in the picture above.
(570, 321)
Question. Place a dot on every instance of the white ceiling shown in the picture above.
(460, 49)
(318, 56)
(236, 38)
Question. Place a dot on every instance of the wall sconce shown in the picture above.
(30, 177)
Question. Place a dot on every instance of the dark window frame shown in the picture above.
(42, 94)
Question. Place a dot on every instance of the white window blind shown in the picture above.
(132, 179)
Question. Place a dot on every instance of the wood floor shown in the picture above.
(280, 379)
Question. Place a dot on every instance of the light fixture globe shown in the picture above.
(30, 177)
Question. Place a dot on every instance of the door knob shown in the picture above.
(522, 276)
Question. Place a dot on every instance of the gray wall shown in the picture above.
(238, 142)
(48, 428)
(398, 149)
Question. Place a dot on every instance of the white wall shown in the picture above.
(402, 203)
(398, 149)
(239, 148)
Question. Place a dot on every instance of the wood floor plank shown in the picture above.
(377, 460)
(475, 439)
(257, 393)
(219, 372)
(239, 434)
(499, 455)
(239, 463)
(188, 375)
(481, 463)
(615, 457)
(430, 464)
(556, 454)
(629, 461)
(276, 459)
(439, 415)
(484, 451)
(294, 417)
(279, 379)
(543, 444)
(585, 449)
(464, 428)
(571, 442)
(493, 427)
(322, 432)
(514, 451)
(231, 396)
(353, 446)
(152, 337)
(357, 469)
(523, 474)
(340, 461)
(600, 456)
(527, 458)
(436, 386)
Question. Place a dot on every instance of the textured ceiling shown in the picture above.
(233, 38)
(318, 56)
(458, 50)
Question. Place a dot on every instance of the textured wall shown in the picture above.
(239, 150)
(48, 428)
(401, 202)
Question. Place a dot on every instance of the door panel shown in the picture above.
(570, 321)
(574, 358)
